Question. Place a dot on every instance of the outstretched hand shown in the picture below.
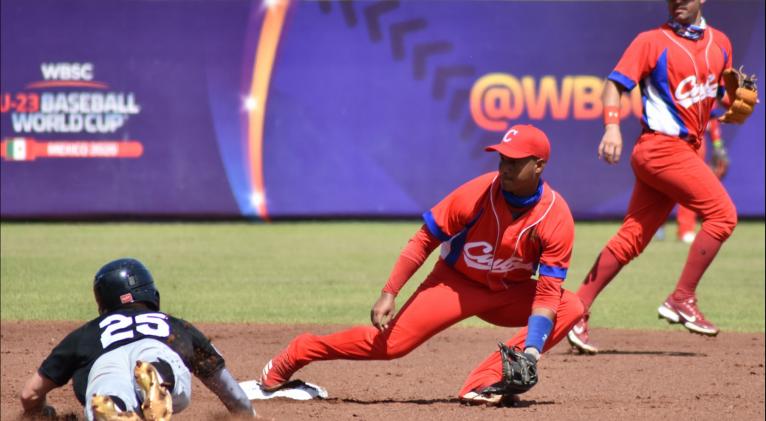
(383, 310)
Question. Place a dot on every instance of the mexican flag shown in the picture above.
(16, 149)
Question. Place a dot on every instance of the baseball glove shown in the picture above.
(519, 372)
(743, 95)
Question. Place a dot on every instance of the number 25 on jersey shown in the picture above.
(120, 327)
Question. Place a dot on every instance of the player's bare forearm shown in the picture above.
(612, 94)
(223, 384)
(34, 392)
(610, 147)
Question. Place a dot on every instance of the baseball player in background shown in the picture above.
(132, 362)
(681, 68)
(496, 233)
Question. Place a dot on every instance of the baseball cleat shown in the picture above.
(687, 313)
(104, 409)
(489, 399)
(579, 337)
(276, 373)
(157, 403)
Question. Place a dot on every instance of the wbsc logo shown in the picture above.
(67, 71)
(499, 98)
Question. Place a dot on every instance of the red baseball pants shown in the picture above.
(443, 299)
(668, 171)
(686, 218)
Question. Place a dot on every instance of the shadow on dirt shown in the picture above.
(657, 353)
(387, 401)
(520, 404)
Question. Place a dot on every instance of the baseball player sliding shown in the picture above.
(496, 232)
(133, 361)
(682, 68)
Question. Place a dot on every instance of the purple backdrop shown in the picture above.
(138, 108)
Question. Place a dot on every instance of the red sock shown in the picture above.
(701, 253)
(603, 271)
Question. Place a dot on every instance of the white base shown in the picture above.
(302, 391)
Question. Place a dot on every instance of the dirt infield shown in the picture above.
(640, 375)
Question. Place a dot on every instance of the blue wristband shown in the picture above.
(538, 328)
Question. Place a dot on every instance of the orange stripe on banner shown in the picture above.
(34, 149)
(259, 90)
(89, 149)
(66, 84)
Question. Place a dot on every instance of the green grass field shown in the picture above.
(330, 272)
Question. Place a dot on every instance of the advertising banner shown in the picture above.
(284, 109)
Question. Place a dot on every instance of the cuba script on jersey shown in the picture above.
(479, 255)
(689, 92)
(483, 240)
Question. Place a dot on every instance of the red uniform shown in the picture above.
(679, 72)
(490, 252)
(680, 80)
(483, 240)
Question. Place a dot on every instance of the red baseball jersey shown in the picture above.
(680, 78)
(486, 242)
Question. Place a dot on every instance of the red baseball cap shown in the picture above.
(521, 141)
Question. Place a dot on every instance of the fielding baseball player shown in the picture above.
(682, 68)
(132, 361)
(496, 232)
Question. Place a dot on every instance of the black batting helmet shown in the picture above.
(124, 281)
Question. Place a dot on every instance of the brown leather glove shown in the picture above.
(743, 95)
